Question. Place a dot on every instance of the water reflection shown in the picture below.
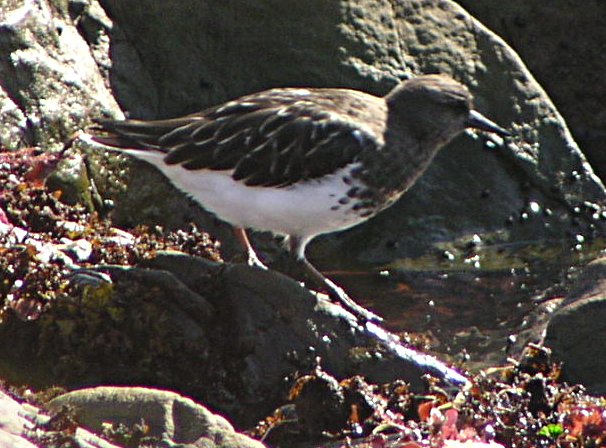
(466, 304)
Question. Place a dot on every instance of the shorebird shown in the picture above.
(303, 161)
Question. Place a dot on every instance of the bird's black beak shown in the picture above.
(478, 121)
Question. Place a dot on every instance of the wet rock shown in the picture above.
(325, 405)
(269, 328)
(575, 332)
(226, 334)
(170, 418)
(320, 404)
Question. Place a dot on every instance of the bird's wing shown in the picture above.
(269, 140)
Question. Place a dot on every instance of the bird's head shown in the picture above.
(435, 108)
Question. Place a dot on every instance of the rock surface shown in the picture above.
(569, 65)
(50, 83)
(576, 331)
(22, 424)
(12, 424)
(228, 335)
(170, 417)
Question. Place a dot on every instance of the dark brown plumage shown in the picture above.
(302, 162)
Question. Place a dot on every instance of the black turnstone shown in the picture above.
(304, 161)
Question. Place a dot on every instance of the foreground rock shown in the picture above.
(227, 335)
(164, 418)
(12, 424)
(576, 331)
(170, 418)
(24, 426)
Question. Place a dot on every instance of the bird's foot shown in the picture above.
(339, 295)
(251, 256)
(253, 260)
(335, 292)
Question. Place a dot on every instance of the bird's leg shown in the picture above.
(297, 249)
(251, 255)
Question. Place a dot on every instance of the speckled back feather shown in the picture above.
(273, 138)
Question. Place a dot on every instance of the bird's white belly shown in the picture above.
(304, 209)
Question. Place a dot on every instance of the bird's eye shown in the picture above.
(458, 103)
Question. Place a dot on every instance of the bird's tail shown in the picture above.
(134, 134)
